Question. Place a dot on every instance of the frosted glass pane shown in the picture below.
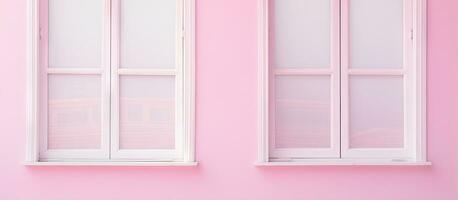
(376, 112)
(74, 112)
(76, 33)
(302, 114)
(376, 33)
(147, 112)
(148, 33)
(302, 33)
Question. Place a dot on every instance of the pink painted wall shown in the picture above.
(226, 127)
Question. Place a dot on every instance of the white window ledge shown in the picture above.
(132, 164)
(342, 162)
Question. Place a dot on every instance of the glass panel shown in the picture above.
(303, 112)
(376, 33)
(76, 33)
(148, 33)
(147, 112)
(376, 112)
(302, 33)
(74, 112)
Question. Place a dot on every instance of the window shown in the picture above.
(342, 82)
(111, 81)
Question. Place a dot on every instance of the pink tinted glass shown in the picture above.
(376, 112)
(147, 112)
(74, 112)
(302, 112)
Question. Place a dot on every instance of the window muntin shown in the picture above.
(97, 99)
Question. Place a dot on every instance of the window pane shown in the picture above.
(148, 33)
(75, 33)
(302, 114)
(302, 33)
(147, 112)
(376, 33)
(376, 112)
(74, 112)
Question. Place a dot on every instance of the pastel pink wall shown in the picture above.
(226, 127)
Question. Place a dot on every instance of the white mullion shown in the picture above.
(106, 81)
(115, 65)
(335, 81)
(419, 8)
(179, 83)
(344, 96)
(43, 78)
(32, 116)
(188, 62)
(410, 100)
(270, 69)
(263, 82)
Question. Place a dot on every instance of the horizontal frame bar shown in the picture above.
(76, 71)
(304, 71)
(388, 72)
(146, 72)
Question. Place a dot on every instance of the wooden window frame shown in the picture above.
(414, 152)
(185, 94)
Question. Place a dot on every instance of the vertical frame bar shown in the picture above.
(344, 65)
(33, 34)
(43, 76)
(335, 79)
(115, 65)
(263, 81)
(179, 83)
(419, 8)
(189, 80)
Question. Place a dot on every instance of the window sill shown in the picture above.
(121, 164)
(342, 162)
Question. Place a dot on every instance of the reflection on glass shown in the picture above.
(376, 112)
(74, 112)
(302, 113)
(147, 112)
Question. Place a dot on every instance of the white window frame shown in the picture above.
(414, 152)
(185, 105)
